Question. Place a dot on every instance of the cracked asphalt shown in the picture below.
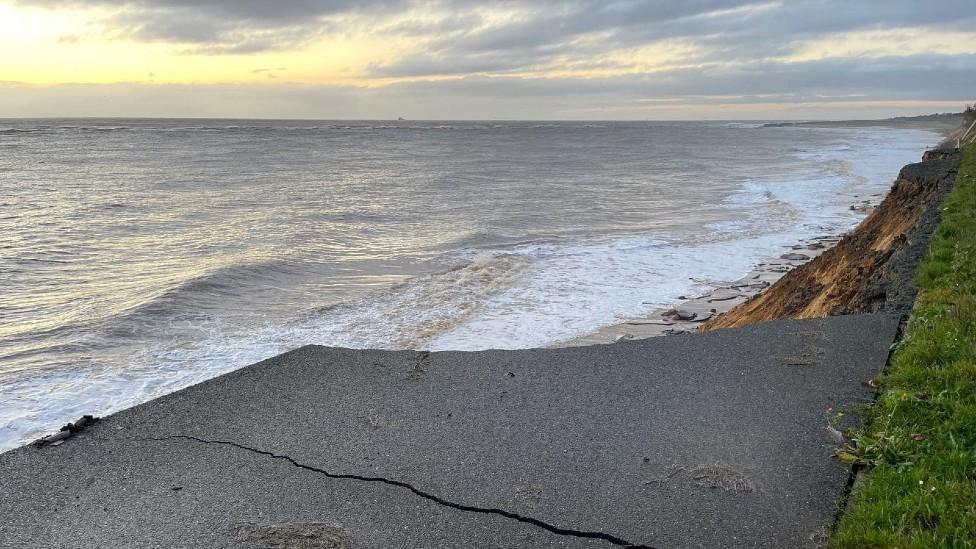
(705, 440)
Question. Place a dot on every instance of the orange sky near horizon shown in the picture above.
(94, 44)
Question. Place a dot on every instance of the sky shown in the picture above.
(503, 59)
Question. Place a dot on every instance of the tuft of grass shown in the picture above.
(920, 436)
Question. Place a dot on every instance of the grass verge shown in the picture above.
(920, 436)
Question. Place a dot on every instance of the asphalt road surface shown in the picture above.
(707, 440)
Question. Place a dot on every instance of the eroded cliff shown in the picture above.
(872, 268)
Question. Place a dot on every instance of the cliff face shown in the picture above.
(963, 135)
(871, 269)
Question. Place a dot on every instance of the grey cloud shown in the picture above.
(731, 30)
(739, 41)
(832, 82)
(422, 65)
(736, 29)
(548, 33)
(264, 13)
(224, 26)
(902, 78)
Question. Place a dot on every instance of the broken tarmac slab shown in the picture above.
(67, 431)
(704, 440)
(795, 257)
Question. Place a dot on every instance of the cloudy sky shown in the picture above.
(464, 59)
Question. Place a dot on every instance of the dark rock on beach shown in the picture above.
(795, 257)
(680, 314)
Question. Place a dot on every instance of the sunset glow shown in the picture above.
(593, 59)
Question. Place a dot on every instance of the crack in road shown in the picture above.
(420, 366)
(610, 538)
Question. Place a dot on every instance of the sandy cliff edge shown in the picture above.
(872, 268)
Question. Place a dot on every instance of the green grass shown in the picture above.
(920, 436)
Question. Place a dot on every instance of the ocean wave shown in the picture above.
(405, 316)
(104, 128)
(745, 125)
(572, 289)
(470, 245)
(196, 290)
(423, 307)
(130, 309)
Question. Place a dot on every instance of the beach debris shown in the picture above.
(649, 321)
(683, 314)
(816, 246)
(703, 317)
(756, 285)
(795, 257)
(67, 431)
(679, 314)
(723, 296)
(623, 337)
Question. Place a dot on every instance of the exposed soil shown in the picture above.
(872, 268)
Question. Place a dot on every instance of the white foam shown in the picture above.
(572, 290)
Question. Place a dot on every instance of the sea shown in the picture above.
(140, 256)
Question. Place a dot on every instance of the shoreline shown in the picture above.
(725, 297)
(721, 299)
